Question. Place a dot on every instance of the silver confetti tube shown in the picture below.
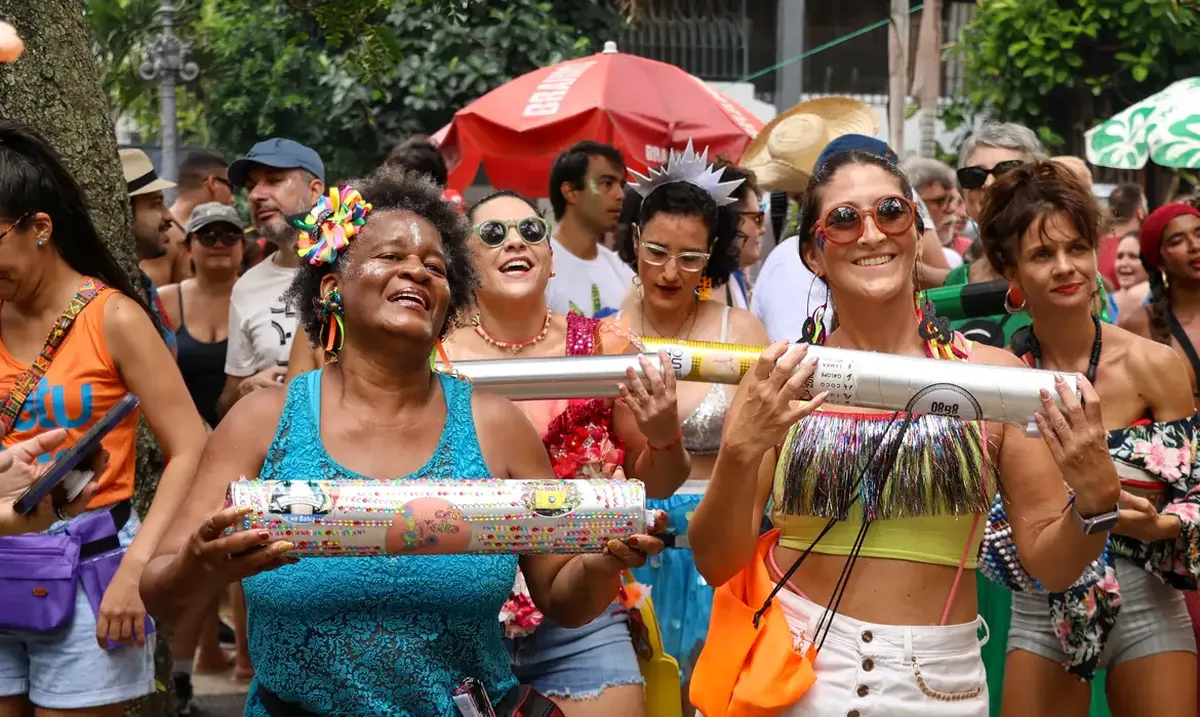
(857, 378)
(346, 518)
(528, 379)
(886, 381)
(918, 385)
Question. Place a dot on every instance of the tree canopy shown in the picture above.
(1062, 67)
(349, 78)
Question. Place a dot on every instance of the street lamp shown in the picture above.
(167, 62)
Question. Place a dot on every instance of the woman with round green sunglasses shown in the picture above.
(585, 438)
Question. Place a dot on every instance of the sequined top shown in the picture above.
(925, 509)
(581, 440)
(702, 428)
(377, 636)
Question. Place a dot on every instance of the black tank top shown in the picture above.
(203, 368)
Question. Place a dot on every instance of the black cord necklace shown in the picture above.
(1036, 349)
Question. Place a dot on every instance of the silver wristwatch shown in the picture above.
(1096, 524)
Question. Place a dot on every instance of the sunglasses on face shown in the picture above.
(212, 238)
(974, 177)
(493, 232)
(844, 224)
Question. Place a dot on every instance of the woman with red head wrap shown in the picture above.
(1170, 239)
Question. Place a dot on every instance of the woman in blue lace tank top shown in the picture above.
(376, 636)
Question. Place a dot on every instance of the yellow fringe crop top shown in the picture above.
(923, 511)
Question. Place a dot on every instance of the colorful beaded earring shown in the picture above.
(329, 312)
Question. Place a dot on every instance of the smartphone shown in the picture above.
(62, 468)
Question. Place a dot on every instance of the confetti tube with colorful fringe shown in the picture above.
(349, 518)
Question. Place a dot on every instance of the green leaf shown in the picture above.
(1017, 47)
(1140, 73)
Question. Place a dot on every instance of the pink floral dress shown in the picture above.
(582, 443)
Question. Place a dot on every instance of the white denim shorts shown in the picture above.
(868, 670)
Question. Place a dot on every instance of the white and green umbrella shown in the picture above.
(1164, 127)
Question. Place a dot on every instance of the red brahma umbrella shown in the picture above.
(642, 107)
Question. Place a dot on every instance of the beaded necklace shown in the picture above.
(515, 347)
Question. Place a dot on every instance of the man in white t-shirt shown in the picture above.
(786, 293)
(587, 187)
(284, 178)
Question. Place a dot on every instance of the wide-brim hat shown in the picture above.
(140, 177)
(784, 153)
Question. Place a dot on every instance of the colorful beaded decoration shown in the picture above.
(26, 382)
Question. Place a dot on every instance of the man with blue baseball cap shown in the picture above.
(283, 177)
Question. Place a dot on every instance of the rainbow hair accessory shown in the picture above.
(330, 225)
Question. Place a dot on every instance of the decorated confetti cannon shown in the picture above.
(332, 518)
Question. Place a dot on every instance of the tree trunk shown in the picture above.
(55, 88)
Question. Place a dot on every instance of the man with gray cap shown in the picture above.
(283, 178)
(213, 242)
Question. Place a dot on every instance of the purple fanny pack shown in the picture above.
(39, 573)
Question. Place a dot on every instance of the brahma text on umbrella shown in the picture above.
(547, 97)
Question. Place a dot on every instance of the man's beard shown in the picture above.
(280, 231)
(149, 246)
(281, 234)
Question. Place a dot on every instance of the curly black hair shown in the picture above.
(810, 205)
(686, 200)
(392, 189)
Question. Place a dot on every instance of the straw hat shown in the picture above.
(140, 177)
(784, 152)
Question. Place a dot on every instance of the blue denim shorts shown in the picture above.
(578, 663)
(66, 669)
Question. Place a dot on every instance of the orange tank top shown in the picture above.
(81, 385)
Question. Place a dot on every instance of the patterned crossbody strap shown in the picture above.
(28, 380)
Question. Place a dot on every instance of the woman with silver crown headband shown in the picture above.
(681, 244)
(590, 670)
(865, 592)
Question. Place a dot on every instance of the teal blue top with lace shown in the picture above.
(377, 637)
